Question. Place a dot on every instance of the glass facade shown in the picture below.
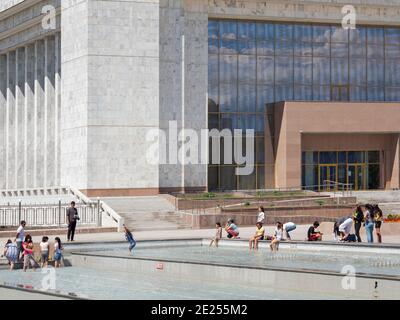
(251, 64)
(356, 170)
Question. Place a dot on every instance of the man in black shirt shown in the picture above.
(72, 217)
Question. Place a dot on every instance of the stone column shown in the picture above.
(50, 138)
(57, 109)
(10, 126)
(196, 87)
(172, 42)
(110, 95)
(39, 151)
(183, 89)
(30, 115)
(20, 118)
(74, 55)
(395, 181)
(3, 119)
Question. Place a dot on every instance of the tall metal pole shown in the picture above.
(98, 213)
(19, 211)
(59, 212)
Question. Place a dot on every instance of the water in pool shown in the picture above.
(333, 261)
(110, 284)
(95, 284)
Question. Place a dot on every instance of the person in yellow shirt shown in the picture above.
(259, 235)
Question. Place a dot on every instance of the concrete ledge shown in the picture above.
(31, 289)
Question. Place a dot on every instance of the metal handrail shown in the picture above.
(61, 191)
(49, 216)
(338, 183)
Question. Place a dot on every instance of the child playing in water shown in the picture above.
(277, 237)
(129, 238)
(218, 234)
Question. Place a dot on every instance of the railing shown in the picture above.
(112, 214)
(48, 216)
(345, 188)
(102, 205)
(55, 212)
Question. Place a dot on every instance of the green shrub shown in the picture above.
(209, 195)
(320, 202)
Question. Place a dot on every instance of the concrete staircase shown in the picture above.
(388, 200)
(147, 213)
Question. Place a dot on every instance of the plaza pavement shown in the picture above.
(12, 294)
(245, 233)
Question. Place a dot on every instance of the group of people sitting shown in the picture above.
(371, 217)
(282, 231)
(232, 230)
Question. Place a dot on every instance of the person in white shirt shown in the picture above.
(287, 227)
(261, 215)
(44, 251)
(277, 237)
(345, 228)
(19, 238)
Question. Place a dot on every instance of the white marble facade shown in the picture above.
(76, 101)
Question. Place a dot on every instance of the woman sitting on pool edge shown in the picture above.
(232, 229)
(260, 231)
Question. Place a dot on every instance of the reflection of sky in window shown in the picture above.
(283, 61)
(247, 31)
(392, 52)
(338, 34)
(358, 35)
(375, 35)
(228, 29)
(265, 31)
(303, 70)
(392, 36)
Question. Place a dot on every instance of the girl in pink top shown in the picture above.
(28, 253)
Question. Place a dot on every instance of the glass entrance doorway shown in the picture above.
(327, 177)
(356, 176)
(340, 170)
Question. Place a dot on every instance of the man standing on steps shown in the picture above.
(72, 218)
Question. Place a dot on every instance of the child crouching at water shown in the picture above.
(129, 238)
(218, 234)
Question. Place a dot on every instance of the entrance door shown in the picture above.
(327, 177)
(356, 176)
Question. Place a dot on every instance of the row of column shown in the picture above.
(30, 102)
